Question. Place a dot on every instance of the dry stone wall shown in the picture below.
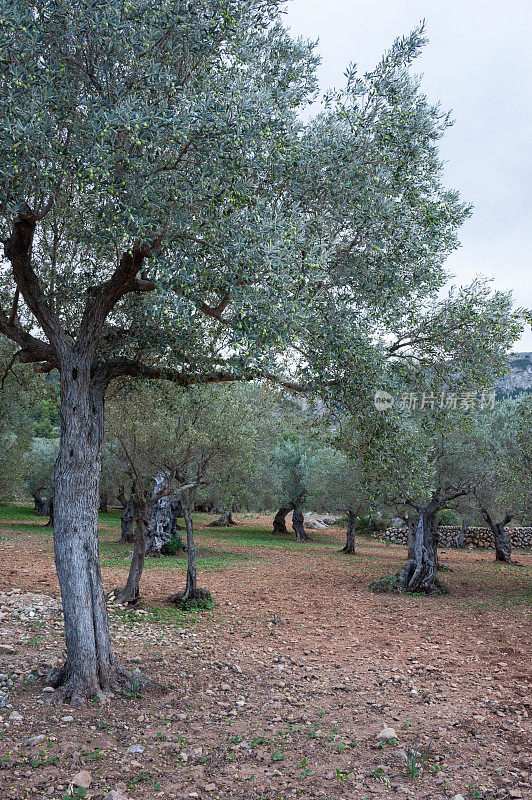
(449, 536)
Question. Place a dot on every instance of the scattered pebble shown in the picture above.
(35, 740)
(82, 779)
(386, 734)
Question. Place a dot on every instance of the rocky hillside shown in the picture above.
(519, 379)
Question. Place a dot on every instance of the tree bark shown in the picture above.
(297, 525)
(41, 504)
(419, 572)
(459, 539)
(279, 521)
(191, 585)
(501, 537)
(90, 667)
(50, 523)
(126, 522)
(350, 535)
(121, 497)
(142, 513)
(191, 590)
(163, 522)
(503, 543)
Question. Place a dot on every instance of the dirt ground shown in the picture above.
(281, 689)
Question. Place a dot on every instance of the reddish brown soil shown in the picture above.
(285, 684)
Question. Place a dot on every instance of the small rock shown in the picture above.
(82, 779)
(237, 669)
(210, 787)
(35, 740)
(49, 689)
(113, 795)
(458, 797)
(387, 734)
(67, 719)
(136, 748)
(198, 751)
(401, 754)
(16, 717)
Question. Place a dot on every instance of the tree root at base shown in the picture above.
(71, 687)
(391, 584)
(199, 598)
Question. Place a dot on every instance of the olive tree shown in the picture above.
(16, 426)
(289, 462)
(39, 467)
(136, 141)
(436, 457)
(166, 215)
(501, 469)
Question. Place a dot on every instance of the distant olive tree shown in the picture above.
(501, 469)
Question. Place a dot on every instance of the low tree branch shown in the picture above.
(18, 251)
(120, 367)
(32, 348)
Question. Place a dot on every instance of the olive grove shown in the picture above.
(166, 215)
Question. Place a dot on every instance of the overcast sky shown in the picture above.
(478, 63)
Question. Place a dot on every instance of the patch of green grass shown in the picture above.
(259, 537)
(17, 511)
(26, 527)
(111, 517)
(208, 558)
(157, 615)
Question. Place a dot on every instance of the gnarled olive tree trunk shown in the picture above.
(163, 522)
(126, 522)
(50, 522)
(503, 543)
(419, 572)
(90, 667)
(191, 589)
(224, 521)
(191, 585)
(297, 525)
(350, 535)
(501, 536)
(142, 509)
(41, 504)
(279, 521)
(459, 539)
